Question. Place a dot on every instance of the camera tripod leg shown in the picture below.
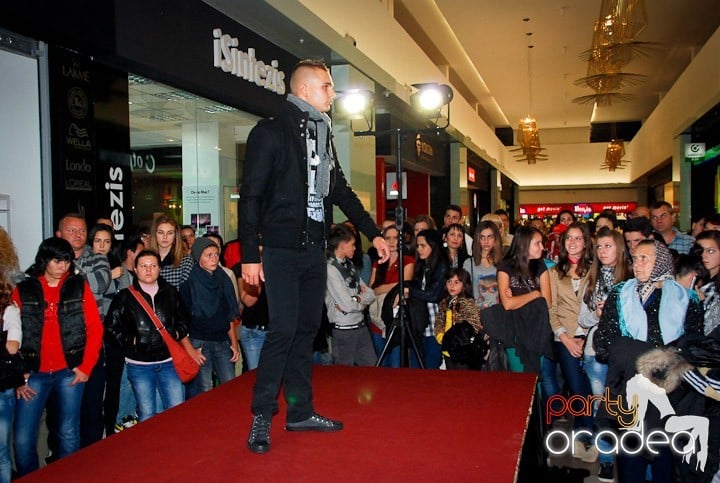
(386, 349)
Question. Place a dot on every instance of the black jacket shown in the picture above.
(128, 323)
(273, 197)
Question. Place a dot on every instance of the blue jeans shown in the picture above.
(576, 380)
(7, 409)
(548, 383)
(28, 413)
(147, 379)
(251, 341)
(432, 353)
(635, 467)
(127, 405)
(392, 357)
(217, 359)
(596, 372)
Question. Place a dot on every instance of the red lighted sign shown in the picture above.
(471, 174)
(578, 208)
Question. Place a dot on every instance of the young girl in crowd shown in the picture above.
(149, 364)
(457, 306)
(482, 266)
(566, 278)
(522, 280)
(422, 222)
(385, 277)
(707, 245)
(562, 221)
(100, 239)
(454, 246)
(427, 287)
(175, 264)
(610, 266)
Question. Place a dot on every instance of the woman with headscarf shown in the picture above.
(648, 311)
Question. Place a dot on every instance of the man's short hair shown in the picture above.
(640, 224)
(659, 204)
(312, 63)
(70, 215)
(454, 208)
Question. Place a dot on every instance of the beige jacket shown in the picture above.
(565, 306)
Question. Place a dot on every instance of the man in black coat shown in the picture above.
(291, 179)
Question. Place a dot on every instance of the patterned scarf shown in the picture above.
(348, 271)
(662, 270)
(321, 124)
(603, 285)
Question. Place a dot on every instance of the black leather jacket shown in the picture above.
(273, 198)
(127, 322)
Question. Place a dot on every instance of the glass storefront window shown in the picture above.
(187, 154)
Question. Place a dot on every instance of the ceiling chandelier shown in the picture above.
(613, 156)
(528, 134)
(614, 45)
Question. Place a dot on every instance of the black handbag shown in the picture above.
(497, 358)
(11, 366)
(464, 345)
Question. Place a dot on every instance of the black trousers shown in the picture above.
(295, 283)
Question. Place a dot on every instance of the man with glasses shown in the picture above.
(663, 219)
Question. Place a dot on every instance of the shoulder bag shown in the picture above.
(185, 366)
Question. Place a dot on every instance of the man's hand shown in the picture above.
(253, 273)
(382, 249)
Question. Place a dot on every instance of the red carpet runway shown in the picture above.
(400, 425)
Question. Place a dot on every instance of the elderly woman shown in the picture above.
(61, 338)
(648, 311)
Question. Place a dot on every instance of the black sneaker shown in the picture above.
(315, 423)
(606, 472)
(259, 439)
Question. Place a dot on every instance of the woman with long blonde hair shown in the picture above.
(11, 337)
(175, 264)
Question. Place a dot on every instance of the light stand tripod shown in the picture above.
(429, 100)
(401, 321)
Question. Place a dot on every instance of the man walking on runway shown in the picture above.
(291, 179)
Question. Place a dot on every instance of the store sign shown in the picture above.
(577, 208)
(695, 150)
(230, 59)
(471, 175)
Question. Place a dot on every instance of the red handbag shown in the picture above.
(185, 366)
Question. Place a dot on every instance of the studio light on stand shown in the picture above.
(358, 104)
(429, 100)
